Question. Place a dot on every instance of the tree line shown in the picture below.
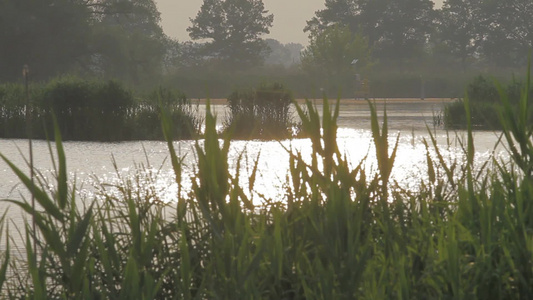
(465, 33)
(123, 39)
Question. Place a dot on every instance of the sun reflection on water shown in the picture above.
(409, 170)
(92, 163)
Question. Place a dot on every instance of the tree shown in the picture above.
(49, 36)
(232, 29)
(406, 26)
(116, 38)
(508, 31)
(331, 53)
(128, 40)
(282, 54)
(395, 29)
(459, 30)
(358, 15)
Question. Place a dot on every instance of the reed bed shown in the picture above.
(93, 110)
(261, 113)
(340, 231)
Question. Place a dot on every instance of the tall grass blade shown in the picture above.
(5, 263)
(62, 183)
(516, 130)
(470, 148)
(381, 143)
(442, 162)
(36, 271)
(166, 124)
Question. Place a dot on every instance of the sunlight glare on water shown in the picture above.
(94, 163)
(144, 165)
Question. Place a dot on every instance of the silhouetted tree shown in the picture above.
(406, 26)
(333, 50)
(330, 56)
(233, 30)
(359, 15)
(498, 33)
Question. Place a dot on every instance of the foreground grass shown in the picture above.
(339, 232)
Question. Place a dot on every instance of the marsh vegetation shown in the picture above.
(93, 110)
(339, 231)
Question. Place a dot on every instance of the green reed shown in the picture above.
(94, 110)
(339, 232)
(261, 113)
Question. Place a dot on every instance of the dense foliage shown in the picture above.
(334, 56)
(397, 30)
(494, 33)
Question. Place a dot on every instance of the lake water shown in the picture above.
(90, 162)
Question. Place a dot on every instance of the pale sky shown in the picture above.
(290, 17)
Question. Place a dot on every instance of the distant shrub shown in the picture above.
(260, 113)
(484, 101)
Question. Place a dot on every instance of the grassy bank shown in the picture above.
(338, 233)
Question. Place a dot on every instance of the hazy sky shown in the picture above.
(290, 17)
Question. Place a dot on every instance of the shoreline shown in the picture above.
(221, 101)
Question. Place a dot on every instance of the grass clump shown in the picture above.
(340, 231)
(261, 113)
